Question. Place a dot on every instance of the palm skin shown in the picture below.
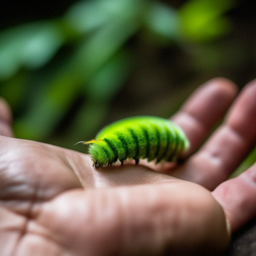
(53, 202)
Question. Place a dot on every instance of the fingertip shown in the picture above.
(5, 111)
(224, 84)
(217, 92)
(5, 119)
(251, 87)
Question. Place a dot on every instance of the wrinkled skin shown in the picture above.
(53, 202)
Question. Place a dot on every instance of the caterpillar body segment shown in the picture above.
(143, 137)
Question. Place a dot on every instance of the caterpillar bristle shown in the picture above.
(79, 142)
(150, 138)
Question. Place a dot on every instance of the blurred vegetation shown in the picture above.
(66, 76)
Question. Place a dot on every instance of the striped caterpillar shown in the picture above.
(141, 137)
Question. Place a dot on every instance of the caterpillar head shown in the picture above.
(100, 153)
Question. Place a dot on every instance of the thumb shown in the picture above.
(5, 119)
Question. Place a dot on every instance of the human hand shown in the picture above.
(53, 202)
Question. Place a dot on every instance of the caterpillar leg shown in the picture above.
(97, 165)
(158, 161)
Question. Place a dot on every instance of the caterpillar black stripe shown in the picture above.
(142, 137)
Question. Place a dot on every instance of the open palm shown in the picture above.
(53, 202)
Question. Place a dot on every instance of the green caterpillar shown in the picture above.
(142, 137)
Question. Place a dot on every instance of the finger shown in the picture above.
(228, 146)
(5, 119)
(237, 197)
(203, 110)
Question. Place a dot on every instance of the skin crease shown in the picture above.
(53, 202)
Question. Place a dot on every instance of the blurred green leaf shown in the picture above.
(99, 92)
(202, 20)
(108, 79)
(31, 46)
(14, 90)
(163, 21)
(86, 16)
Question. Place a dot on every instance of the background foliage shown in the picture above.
(69, 67)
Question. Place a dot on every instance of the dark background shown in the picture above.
(150, 73)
